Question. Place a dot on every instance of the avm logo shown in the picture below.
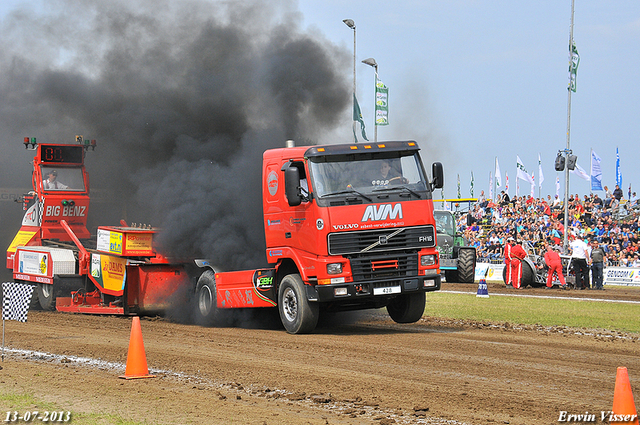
(382, 212)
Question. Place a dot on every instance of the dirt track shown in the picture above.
(369, 370)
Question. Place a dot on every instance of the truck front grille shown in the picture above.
(384, 266)
(381, 240)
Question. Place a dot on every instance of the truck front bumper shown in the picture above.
(350, 292)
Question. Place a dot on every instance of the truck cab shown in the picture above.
(347, 227)
(60, 192)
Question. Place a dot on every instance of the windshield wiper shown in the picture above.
(344, 192)
(390, 188)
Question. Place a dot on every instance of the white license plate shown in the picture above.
(389, 290)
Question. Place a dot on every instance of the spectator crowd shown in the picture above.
(613, 223)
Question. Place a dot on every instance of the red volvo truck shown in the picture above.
(347, 227)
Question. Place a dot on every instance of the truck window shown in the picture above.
(62, 179)
(334, 174)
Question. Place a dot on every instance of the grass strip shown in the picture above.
(23, 403)
(531, 311)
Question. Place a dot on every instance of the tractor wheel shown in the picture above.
(206, 310)
(407, 308)
(46, 296)
(297, 314)
(528, 277)
(451, 276)
(467, 266)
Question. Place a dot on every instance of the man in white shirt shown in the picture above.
(580, 260)
(51, 183)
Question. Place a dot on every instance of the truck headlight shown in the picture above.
(428, 260)
(334, 268)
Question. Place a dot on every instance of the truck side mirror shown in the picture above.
(291, 185)
(437, 175)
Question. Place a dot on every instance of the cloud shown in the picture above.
(183, 98)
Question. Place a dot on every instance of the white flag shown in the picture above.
(506, 184)
(533, 186)
(557, 186)
(579, 171)
(522, 172)
(596, 172)
(490, 186)
(540, 175)
(498, 175)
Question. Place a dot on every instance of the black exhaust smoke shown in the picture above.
(183, 98)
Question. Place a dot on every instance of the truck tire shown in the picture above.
(407, 308)
(297, 314)
(466, 266)
(46, 296)
(206, 310)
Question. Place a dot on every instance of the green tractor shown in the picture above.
(457, 261)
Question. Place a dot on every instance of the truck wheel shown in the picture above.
(46, 296)
(297, 314)
(466, 266)
(206, 311)
(407, 308)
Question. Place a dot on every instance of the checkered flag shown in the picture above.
(15, 301)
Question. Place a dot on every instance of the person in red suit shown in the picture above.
(513, 256)
(553, 261)
(518, 254)
(507, 261)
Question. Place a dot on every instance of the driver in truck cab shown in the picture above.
(387, 175)
(52, 183)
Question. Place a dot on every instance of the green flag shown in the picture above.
(471, 189)
(357, 117)
(574, 61)
(382, 104)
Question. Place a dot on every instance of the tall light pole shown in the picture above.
(568, 151)
(372, 62)
(351, 24)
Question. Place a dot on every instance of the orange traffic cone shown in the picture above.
(624, 409)
(136, 358)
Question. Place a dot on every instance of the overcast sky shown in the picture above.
(475, 80)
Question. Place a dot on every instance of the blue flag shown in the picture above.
(618, 171)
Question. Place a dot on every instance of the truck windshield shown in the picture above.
(62, 179)
(342, 175)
